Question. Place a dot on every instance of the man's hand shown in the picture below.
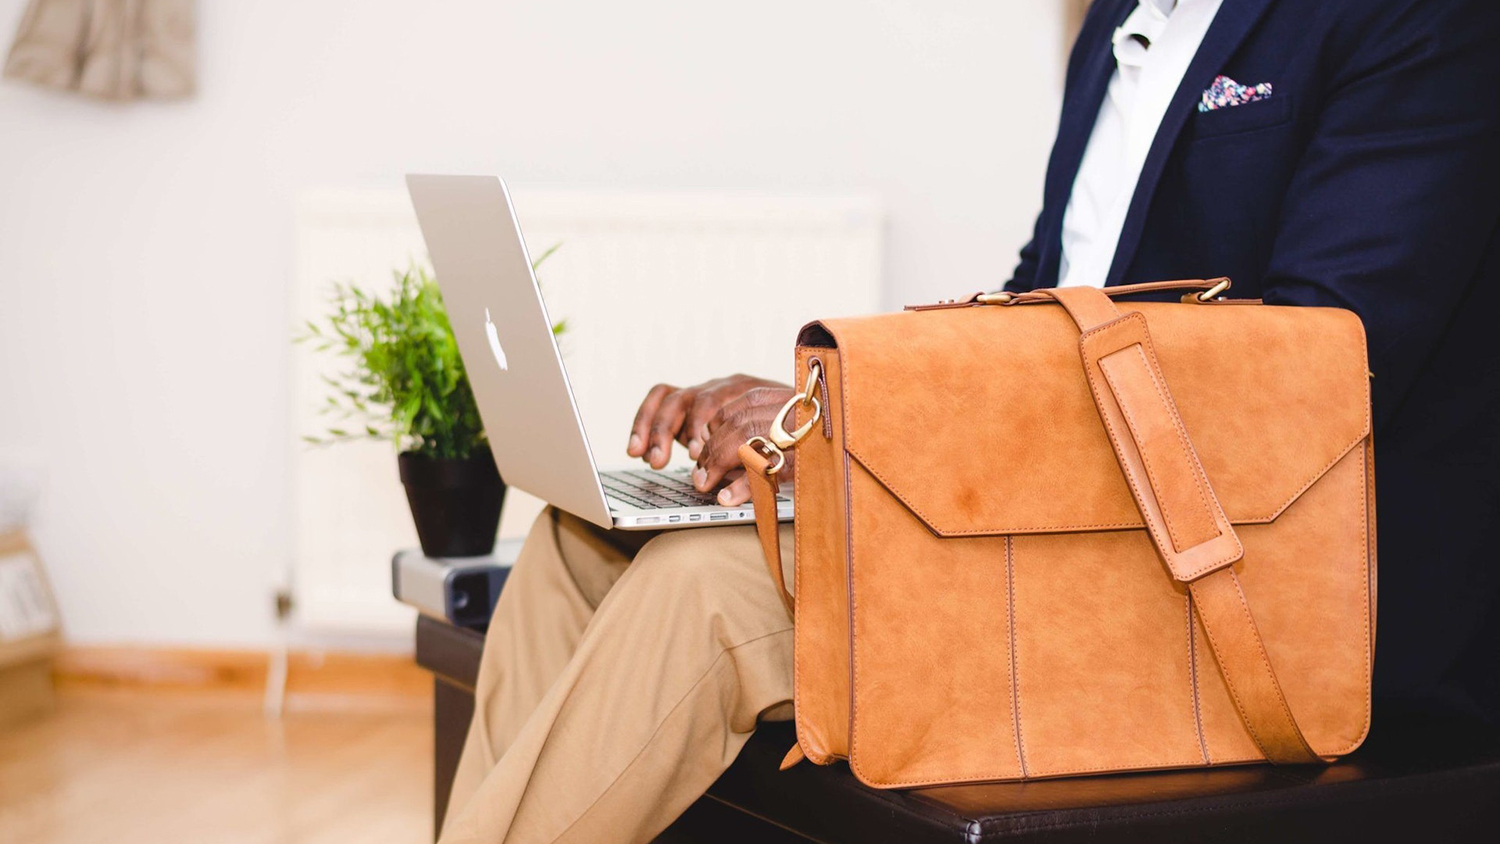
(712, 420)
(748, 416)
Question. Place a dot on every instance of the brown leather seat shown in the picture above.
(1416, 778)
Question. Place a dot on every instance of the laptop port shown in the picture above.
(695, 517)
(674, 518)
(717, 517)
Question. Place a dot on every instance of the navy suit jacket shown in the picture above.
(1369, 180)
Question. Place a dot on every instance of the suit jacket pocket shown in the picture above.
(1232, 120)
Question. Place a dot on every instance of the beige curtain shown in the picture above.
(113, 49)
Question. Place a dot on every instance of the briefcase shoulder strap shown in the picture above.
(763, 488)
(1182, 513)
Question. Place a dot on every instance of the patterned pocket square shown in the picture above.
(1226, 93)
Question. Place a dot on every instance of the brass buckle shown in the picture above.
(779, 437)
(1214, 291)
(769, 450)
(786, 439)
(778, 434)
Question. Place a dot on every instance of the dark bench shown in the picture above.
(1417, 778)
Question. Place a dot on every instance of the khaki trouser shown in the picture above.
(621, 675)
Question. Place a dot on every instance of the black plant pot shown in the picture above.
(455, 503)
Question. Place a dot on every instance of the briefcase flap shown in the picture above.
(981, 422)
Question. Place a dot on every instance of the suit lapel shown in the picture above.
(1080, 109)
(1233, 22)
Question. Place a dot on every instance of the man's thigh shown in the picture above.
(731, 557)
(593, 556)
(711, 580)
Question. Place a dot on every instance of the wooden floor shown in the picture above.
(163, 767)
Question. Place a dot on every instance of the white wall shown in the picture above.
(146, 249)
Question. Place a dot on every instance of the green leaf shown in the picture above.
(547, 253)
(404, 380)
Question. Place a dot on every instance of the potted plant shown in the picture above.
(406, 384)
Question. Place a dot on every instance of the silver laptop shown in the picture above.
(520, 383)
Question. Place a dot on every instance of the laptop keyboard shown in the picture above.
(650, 489)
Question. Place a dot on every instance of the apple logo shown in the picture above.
(489, 330)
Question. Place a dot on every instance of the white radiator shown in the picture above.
(675, 288)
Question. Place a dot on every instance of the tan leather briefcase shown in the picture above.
(1053, 534)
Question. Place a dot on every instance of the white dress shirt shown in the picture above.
(1144, 81)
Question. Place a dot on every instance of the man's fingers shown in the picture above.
(693, 416)
(737, 492)
(739, 420)
(647, 412)
(721, 452)
(696, 440)
(752, 411)
(695, 427)
(665, 425)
